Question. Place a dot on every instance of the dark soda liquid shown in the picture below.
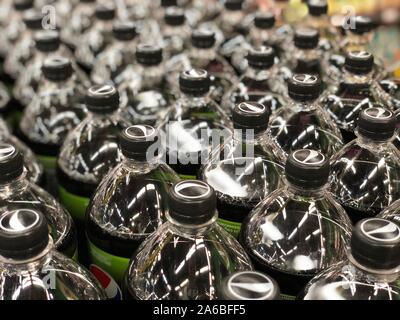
(357, 215)
(308, 67)
(290, 284)
(256, 90)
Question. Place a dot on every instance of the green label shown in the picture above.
(48, 162)
(232, 227)
(75, 205)
(187, 177)
(287, 297)
(75, 256)
(114, 265)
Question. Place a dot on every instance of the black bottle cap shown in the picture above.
(23, 234)
(124, 30)
(359, 62)
(11, 163)
(359, 24)
(22, 5)
(304, 87)
(249, 285)
(306, 38)
(102, 98)
(203, 39)
(105, 12)
(149, 55)
(375, 244)
(317, 8)
(233, 5)
(33, 19)
(250, 115)
(57, 69)
(306, 168)
(376, 123)
(261, 58)
(264, 20)
(135, 140)
(174, 16)
(192, 202)
(169, 3)
(47, 41)
(194, 82)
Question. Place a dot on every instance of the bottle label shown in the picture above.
(114, 265)
(75, 205)
(187, 177)
(287, 297)
(232, 227)
(47, 162)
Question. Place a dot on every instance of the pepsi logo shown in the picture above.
(19, 220)
(360, 54)
(109, 285)
(307, 156)
(139, 131)
(378, 113)
(250, 285)
(251, 107)
(103, 89)
(305, 78)
(6, 150)
(380, 230)
(196, 73)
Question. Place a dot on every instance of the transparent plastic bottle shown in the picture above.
(22, 50)
(12, 26)
(57, 108)
(391, 213)
(175, 31)
(359, 34)
(203, 55)
(81, 19)
(391, 87)
(249, 285)
(299, 230)
(31, 163)
(90, 150)
(318, 19)
(366, 172)
(246, 168)
(145, 93)
(306, 57)
(47, 44)
(303, 122)
(231, 18)
(130, 202)
(191, 123)
(370, 271)
(188, 256)
(356, 91)
(30, 267)
(95, 39)
(118, 55)
(259, 83)
(18, 193)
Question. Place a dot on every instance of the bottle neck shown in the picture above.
(140, 165)
(374, 274)
(194, 102)
(30, 265)
(13, 187)
(203, 54)
(188, 230)
(259, 74)
(377, 144)
(305, 192)
(357, 79)
(151, 75)
(249, 136)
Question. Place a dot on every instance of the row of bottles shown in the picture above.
(194, 151)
